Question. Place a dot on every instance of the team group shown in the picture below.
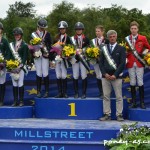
(108, 66)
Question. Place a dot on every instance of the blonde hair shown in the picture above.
(134, 23)
(100, 27)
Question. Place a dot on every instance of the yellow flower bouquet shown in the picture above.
(13, 66)
(35, 41)
(68, 51)
(146, 56)
(92, 54)
(124, 44)
(35, 45)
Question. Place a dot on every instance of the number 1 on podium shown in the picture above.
(72, 109)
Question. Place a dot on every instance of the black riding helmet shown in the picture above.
(18, 30)
(42, 23)
(79, 25)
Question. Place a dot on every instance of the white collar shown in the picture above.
(113, 44)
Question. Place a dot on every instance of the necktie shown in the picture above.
(133, 41)
(111, 48)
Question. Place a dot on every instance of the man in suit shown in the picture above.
(112, 63)
(135, 67)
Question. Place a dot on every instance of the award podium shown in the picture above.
(64, 124)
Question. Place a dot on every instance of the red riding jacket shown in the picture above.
(140, 44)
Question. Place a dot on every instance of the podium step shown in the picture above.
(138, 114)
(7, 112)
(45, 134)
(79, 109)
(32, 145)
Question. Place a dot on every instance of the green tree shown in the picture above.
(63, 11)
(21, 9)
(18, 14)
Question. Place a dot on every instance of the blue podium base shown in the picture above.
(80, 109)
(139, 114)
(45, 134)
(47, 146)
(7, 112)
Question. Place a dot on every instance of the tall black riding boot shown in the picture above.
(99, 84)
(141, 93)
(75, 83)
(2, 94)
(21, 96)
(84, 87)
(59, 85)
(133, 95)
(64, 82)
(15, 94)
(46, 83)
(38, 83)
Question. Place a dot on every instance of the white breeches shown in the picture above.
(61, 71)
(19, 82)
(136, 73)
(42, 66)
(97, 71)
(79, 67)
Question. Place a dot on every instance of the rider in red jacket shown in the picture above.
(135, 67)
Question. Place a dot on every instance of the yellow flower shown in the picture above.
(68, 50)
(12, 64)
(124, 44)
(92, 52)
(35, 41)
(148, 61)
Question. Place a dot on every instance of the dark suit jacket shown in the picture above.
(119, 57)
(57, 38)
(5, 49)
(86, 41)
(22, 51)
(48, 41)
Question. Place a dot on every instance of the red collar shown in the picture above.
(76, 36)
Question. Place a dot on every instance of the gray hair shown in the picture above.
(110, 32)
